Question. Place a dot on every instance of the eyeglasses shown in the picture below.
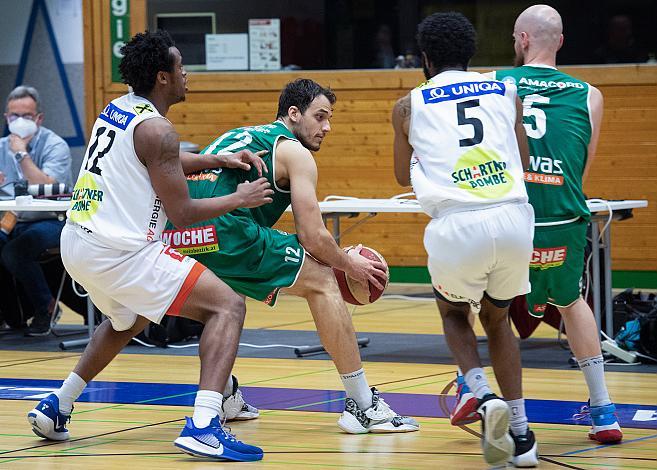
(13, 116)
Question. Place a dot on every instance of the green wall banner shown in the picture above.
(119, 31)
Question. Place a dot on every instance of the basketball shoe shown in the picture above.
(465, 411)
(526, 450)
(235, 408)
(496, 442)
(215, 442)
(47, 421)
(604, 424)
(377, 418)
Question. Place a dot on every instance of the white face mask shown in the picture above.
(23, 127)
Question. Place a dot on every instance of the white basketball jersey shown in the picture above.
(113, 198)
(465, 152)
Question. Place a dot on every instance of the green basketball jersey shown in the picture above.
(558, 124)
(255, 139)
(240, 247)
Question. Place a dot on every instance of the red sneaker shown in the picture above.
(604, 425)
(465, 411)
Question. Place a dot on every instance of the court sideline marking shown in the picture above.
(48, 444)
(443, 404)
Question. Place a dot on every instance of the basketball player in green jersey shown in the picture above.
(562, 117)
(258, 261)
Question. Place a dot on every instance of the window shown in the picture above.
(357, 34)
(188, 30)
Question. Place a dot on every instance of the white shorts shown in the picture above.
(151, 282)
(487, 250)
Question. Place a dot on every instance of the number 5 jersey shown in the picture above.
(113, 198)
(558, 125)
(465, 152)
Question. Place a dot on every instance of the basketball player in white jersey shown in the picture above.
(130, 182)
(459, 140)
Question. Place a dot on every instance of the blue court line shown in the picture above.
(327, 401)
(588, 449)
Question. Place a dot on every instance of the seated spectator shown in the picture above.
(621, 46)
(36, 154)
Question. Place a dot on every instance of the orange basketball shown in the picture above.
(354, 292)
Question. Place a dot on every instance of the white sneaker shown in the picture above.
(235, 408)
(377, 418)
(496, 442)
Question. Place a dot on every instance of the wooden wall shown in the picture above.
(356, 158)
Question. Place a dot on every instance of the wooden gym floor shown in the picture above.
(132, 413)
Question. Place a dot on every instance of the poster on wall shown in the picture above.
(265, 44)
(227, 51)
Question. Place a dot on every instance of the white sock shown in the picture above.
(228, 389)
(70, 390)
(206, 406)
(518, 420)
(594, 374)
(355, 384)
(476, 380)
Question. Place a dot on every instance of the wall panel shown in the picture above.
(356, 158)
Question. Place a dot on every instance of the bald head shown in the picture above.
(543, 25)
(538, 31)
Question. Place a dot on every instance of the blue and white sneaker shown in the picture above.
(604, 425)
(215, 442)
(47, 421)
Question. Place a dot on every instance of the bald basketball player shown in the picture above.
(562, 117)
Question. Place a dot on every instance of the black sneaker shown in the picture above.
(526, 453)
(496, 444)
(40, 326)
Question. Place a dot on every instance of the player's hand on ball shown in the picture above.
(254, 194)
(371, 267)
(364, 270)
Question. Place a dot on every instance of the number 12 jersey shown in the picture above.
(465, 152)
(113, 199)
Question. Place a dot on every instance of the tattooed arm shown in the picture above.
(401, 117)
(157, 146)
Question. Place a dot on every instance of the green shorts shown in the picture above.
(254, 261)
(556, 266)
